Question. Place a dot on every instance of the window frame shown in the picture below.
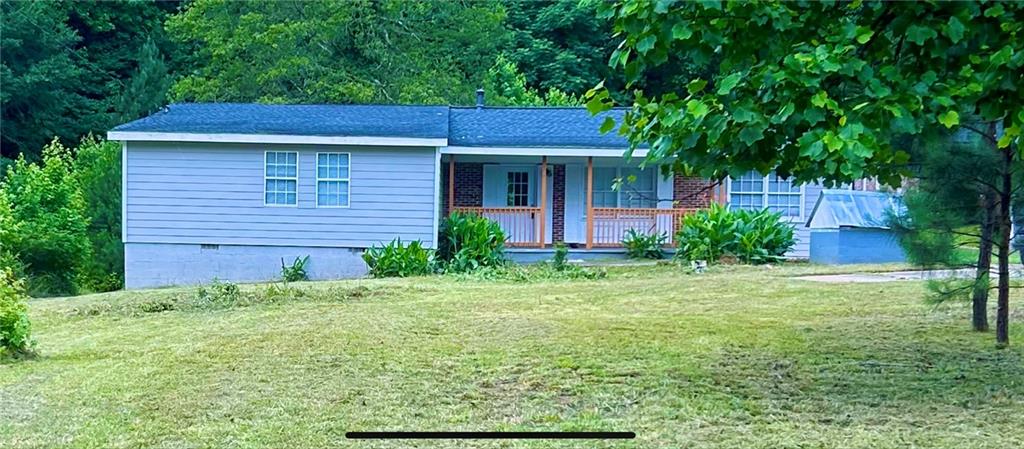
(765, 193)
(510, 187)
(347, 181)
(280, 178)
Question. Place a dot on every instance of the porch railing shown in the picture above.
(521, 224)
(611, 224)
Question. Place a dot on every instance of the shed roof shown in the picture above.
(837, 208)
(296, 120)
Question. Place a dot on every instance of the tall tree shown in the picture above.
(389, 51)
(822, 90)
(65, 65)
(38, 64)
(951, 211)
(560, 44)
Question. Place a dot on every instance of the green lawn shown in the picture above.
(740, 357)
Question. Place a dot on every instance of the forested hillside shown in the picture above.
(73, 68)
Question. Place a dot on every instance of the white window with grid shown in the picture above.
(281, 178)
(518, 193)
(333, 179)
(642, 192)
(752, 191)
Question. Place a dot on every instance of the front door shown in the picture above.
(516, 186)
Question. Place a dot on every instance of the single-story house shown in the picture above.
(230, 191)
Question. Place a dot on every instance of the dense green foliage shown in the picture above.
(814, 90)
(644, 246)
(748, 236)
(397, 259)
(62, 219)
(70, 68)
(97, 167)
(390, 51)
(469, 241)
(46, 203)
(15, 328)
(559, 45)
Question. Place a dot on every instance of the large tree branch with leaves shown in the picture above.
(818, 91)
(826, 91)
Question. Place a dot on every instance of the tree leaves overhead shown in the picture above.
(390, 51)
(815, 90)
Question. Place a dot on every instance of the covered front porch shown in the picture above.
(542, 199)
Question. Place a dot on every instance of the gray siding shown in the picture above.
(192, 193)
(802, 250)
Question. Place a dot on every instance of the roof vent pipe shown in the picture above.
(479, 98)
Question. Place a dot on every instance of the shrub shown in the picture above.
(296, 272)
(748, 236)
(532, 273)
(15, 328)
(561, 259)
(469, 241)
(644, 246)
(398, 260)
(219, 294)
(46, 203)
(97, 167)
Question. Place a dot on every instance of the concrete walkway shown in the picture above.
(1016, 271)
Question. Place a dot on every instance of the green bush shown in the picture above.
(749, 236)
(560, 261)
(296, 271)
(219, 294)
(398, 260)
(52, 236)
(97, 167)
(15, 328)
(469, 241)
(644, 246)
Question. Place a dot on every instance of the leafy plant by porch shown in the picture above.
(397, 259)
(640, 245)
(749, 236)
(469, 241)
(740, 356)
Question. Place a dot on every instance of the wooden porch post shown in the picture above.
(543, 198)
(451, 184)
(590, 202)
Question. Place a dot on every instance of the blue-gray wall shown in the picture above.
(212, 193)
(162, 264)
(854, 245)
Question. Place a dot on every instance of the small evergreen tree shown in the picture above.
(952, 211)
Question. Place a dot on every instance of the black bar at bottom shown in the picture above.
(490, 435)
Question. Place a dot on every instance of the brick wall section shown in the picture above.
(469, 185)
(558, 204)
(690, 192)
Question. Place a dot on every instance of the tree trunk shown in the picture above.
(1003, 303)
(982, 283)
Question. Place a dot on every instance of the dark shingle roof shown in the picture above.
(302, 120)
(531, 127)
(462, 126)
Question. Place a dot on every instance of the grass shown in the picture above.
(737, 357)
